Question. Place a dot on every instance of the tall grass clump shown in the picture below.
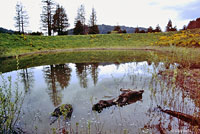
(2, 51)
(10, 106)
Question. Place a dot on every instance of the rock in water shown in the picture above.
(128, 96)
(64, 110)
(103, 104)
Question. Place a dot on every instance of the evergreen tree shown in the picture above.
(79, 28)
(137, 30)
(158, 29)
(184, 27)
(60, 21)
(150, 30)
(117, 28)
(169, 27)
(94, 29)
(124, 31)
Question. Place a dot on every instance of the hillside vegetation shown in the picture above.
(11, 45)
(19, 44)
(186, 38)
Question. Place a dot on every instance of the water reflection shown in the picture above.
(82, 73)
(127, 97)
(94, 72)
(58, 84)
(83, 70)
(54, 75)
(27, 78)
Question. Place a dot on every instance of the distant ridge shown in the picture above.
(4, 30)
(104, 29)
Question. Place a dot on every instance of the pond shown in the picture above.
(83, 84)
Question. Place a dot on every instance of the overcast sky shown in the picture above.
(142, 13)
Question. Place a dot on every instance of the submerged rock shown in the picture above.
(65, 110)
(103, 104)
(128, 96)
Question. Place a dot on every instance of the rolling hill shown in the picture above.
(104, 29)
(3, 30)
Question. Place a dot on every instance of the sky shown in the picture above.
(133, 13)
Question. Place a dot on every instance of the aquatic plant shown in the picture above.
(10, 106)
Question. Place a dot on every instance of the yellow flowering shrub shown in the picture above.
(186, 38)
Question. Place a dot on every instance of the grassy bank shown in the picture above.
(75, 57)
(11, 45)
(186, 57)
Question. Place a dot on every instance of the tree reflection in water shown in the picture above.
(83, 70)
(27, 79)
(57, 78)
(94, 72)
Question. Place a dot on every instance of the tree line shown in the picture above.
(169, 28)
(55, 20)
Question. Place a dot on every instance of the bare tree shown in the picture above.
(24, 18)
(46, 16)
(80, 15)
(93, 29)
(60, 20)
(93, 18)
(17, 17)
(21, 18)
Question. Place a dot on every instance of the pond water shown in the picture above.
(83, 84)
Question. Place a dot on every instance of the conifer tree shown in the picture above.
(60, 20)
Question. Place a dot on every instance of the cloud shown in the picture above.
(191, 11)
(188, 11)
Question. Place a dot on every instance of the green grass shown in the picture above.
(20, 44)
(11, 45)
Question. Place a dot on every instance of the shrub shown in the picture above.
(183, 39)
(10, 106)
(36, 33)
